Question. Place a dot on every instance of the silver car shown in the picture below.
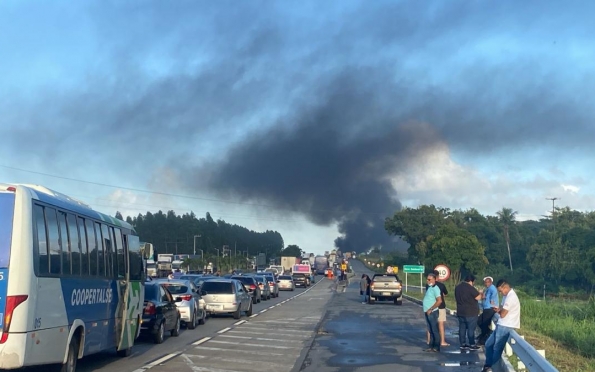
(190, 308)
(272, 283)
(286, 283)
(226, 296)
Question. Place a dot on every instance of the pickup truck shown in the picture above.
(387, 287)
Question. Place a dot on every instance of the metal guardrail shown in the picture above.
(532, 359)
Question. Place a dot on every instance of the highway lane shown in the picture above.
(358, 337)
(145, 351)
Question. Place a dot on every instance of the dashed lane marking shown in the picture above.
(201, 341)
(224, 330)
(240, 322)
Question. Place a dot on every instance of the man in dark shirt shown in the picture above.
(467, 296)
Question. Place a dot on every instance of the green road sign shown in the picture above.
(417, 269)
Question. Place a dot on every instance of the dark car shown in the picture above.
(251, 285)
(160, 312)
(301, 280)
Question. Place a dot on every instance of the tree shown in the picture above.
(291, 250)
(119, 216)
(507, 218)
(456, 248)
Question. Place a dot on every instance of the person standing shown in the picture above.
(363, 288)
(467, 296)
(441, 312)
(431, 303)
(510, 319)
(490, 301)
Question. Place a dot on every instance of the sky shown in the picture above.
(314, 119)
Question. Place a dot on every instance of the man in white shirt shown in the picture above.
(510, 319)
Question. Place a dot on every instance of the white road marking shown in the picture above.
(224, 330)
(240, 322)
(254, 345)
(253, 315)
(262, 339)
(202, 340)
(239, 351)
(285, 330)
(264, 311)
(160, 360)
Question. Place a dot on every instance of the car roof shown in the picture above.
(172, 281)
(222, 280)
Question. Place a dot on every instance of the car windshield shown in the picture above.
(213, 287)
(285, 277)
(177, 288)
(259, 279)
(386, 278)
(244, 279)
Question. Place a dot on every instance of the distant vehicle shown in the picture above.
(160, 313)
(279, 269)
(151, 268)
(386, 287)
(251, 285)
(164, 264)
(265, 289)
(301, 280)
(320, 264)
(191, 311)
(286, 283)
(272, 283)
(227, 296)
(58, 301)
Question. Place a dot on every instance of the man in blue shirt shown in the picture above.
(431, 303)
(490, 301)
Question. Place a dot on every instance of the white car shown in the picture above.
(286, 283)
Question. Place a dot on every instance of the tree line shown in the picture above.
(558, 251)
(172, 233)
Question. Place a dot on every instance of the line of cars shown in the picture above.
(190, 299)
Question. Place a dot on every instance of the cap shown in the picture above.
(488, 277)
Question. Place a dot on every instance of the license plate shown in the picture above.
(215, 307)
(386, 293)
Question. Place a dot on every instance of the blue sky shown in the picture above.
(316, 120)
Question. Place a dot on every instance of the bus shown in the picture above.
(320, 264)
(71, 280)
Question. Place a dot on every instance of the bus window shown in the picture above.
(119, 245)
(65, 244)
(100, 251)
(84, 248)
(135, 259)
(53, 241)
(6, 216)
(75, 244)
(93, 251)
(42, 246)
(108, 250)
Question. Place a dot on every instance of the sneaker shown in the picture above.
(486, 369)
(464, 347)
(474, 348)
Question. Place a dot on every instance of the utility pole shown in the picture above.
(196, 236)
(553, 212)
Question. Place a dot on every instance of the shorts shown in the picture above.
(442, 315)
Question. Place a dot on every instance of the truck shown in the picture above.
(320, 264)
(305, 270)
(164, 264)
(287, 262)
(151, 268)
(386, 287)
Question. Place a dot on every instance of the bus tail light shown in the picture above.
(11, 303)
(150, 309)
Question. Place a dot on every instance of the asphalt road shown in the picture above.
(381, 337)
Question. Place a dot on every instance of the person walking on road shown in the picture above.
(510, 319)
(431, 303)
(490, 301)
(467, 296)
(363, 288)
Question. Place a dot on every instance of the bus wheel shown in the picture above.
(71, 358)
(124, 352)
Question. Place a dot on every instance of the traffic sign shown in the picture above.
(417, 269)
(443, 273)
(389, 269)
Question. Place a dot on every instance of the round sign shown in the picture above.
(389, 269)
(377, 265)
(443, 273)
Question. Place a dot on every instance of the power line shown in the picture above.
(176, 195)
(553, 211)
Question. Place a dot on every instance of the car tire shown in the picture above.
(254, 300)
(72, 357)
(249, 312)
(160, 335)
(268, 297)
(192, 323)
(398, 301)
(238, 313)
(203, 319)
(370, 301)
(176, 331)
(124, 353)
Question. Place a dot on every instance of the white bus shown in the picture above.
(71, 280)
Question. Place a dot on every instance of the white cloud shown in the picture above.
(571, 188)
